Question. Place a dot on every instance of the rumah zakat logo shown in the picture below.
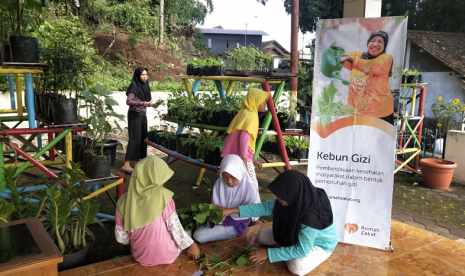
(351, 227)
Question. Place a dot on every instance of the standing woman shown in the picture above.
(138, 98)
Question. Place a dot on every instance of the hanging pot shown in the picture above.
(65, 111)
(24, 49)
(437, 173)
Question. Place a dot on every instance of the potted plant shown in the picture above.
(65, 214)
(100, 104)
(438, 173)
(20, 16)
(411, 76)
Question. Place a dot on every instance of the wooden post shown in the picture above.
(162, 5)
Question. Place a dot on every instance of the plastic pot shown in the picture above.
(109, 148)
(100, 166)
(437, 173)
(190, 70)
(24, 49)
(178, 141)
(64, 111)
(73, 260)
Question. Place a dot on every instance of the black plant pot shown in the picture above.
(190, 70)
(217, 157)
(200, 71)
(193, 151)
(172, 144)
(411, 78)
(216, 117)
(152, 136)
(100, 167)
(300, 154)
(225, 118)
(44, 105)
(185, 150)
(24, 49)
(109, 148)
(6, 54)
(178, 142)
(207, 71)
(65, 112)
(73, 260)
(286, 121)
(216, 71)
(209, 157)
(37, 98)
(274, 148)
(86, 160)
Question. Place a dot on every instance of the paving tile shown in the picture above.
(437, 229)
(402, 217)
(449, 195)
(412, 214)
(458, 232)
(447, 225)
(415, 224)
(423, 220)
(73, 272)
(451, 237)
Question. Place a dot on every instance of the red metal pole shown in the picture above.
(51, 152)
(421, 112)
(277, 128)
(30, 159)
(120, 187)
(407, 166)
(294, 48)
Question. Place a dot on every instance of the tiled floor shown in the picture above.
(416, 252)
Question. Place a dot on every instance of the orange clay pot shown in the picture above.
(437, 174)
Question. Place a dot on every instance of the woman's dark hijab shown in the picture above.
(307, 205)
(139, 88)
(385, 36)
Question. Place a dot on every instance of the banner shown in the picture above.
(358, 69)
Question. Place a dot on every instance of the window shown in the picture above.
(237, 44)
(227, 44)
(209, 43)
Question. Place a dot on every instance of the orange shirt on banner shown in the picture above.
(369, 92)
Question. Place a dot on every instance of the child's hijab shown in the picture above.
(247, 118)
(146, 198)
(242, 194)
(307, 205)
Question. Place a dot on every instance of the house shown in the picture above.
(220, 41)
(441, 59)
(274, 49)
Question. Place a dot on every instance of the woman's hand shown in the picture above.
(154, 105)
(346, 57)
(193, 251)
(259, 255)
(145, 103)
(257, 164)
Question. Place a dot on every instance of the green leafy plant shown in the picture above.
(194, 216)
(21, 15)
(326, 108)
(214, 262)
(248, 58)
(65, 213)
(100, 104)
(446, 112)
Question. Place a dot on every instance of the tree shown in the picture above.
(429, 15)
(312, 10)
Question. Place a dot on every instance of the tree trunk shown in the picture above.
(162, 5)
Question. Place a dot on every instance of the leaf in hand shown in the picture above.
(216, 249)
(216, 216)
(249, 249)
(201, 217)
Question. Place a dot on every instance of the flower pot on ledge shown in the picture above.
(437, 173)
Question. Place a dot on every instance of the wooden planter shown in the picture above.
(436, 173)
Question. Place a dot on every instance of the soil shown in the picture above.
(157, 59)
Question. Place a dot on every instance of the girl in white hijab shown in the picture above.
(232, 189)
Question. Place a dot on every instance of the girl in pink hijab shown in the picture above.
(234, 188)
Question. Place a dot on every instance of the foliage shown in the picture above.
(304, 85)
(446, 112)
(188, 12)
(312, 10)
(249, 58)
(65, 213)
(212, 262)
(428, 15)
(194, 216)
(100, 104)
(66, 46)
(29, 16)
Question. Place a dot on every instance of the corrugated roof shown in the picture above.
(446, 47)
(239, 32)
(275, 46)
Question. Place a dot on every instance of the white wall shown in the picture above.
(445, 84)
(455, 151)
